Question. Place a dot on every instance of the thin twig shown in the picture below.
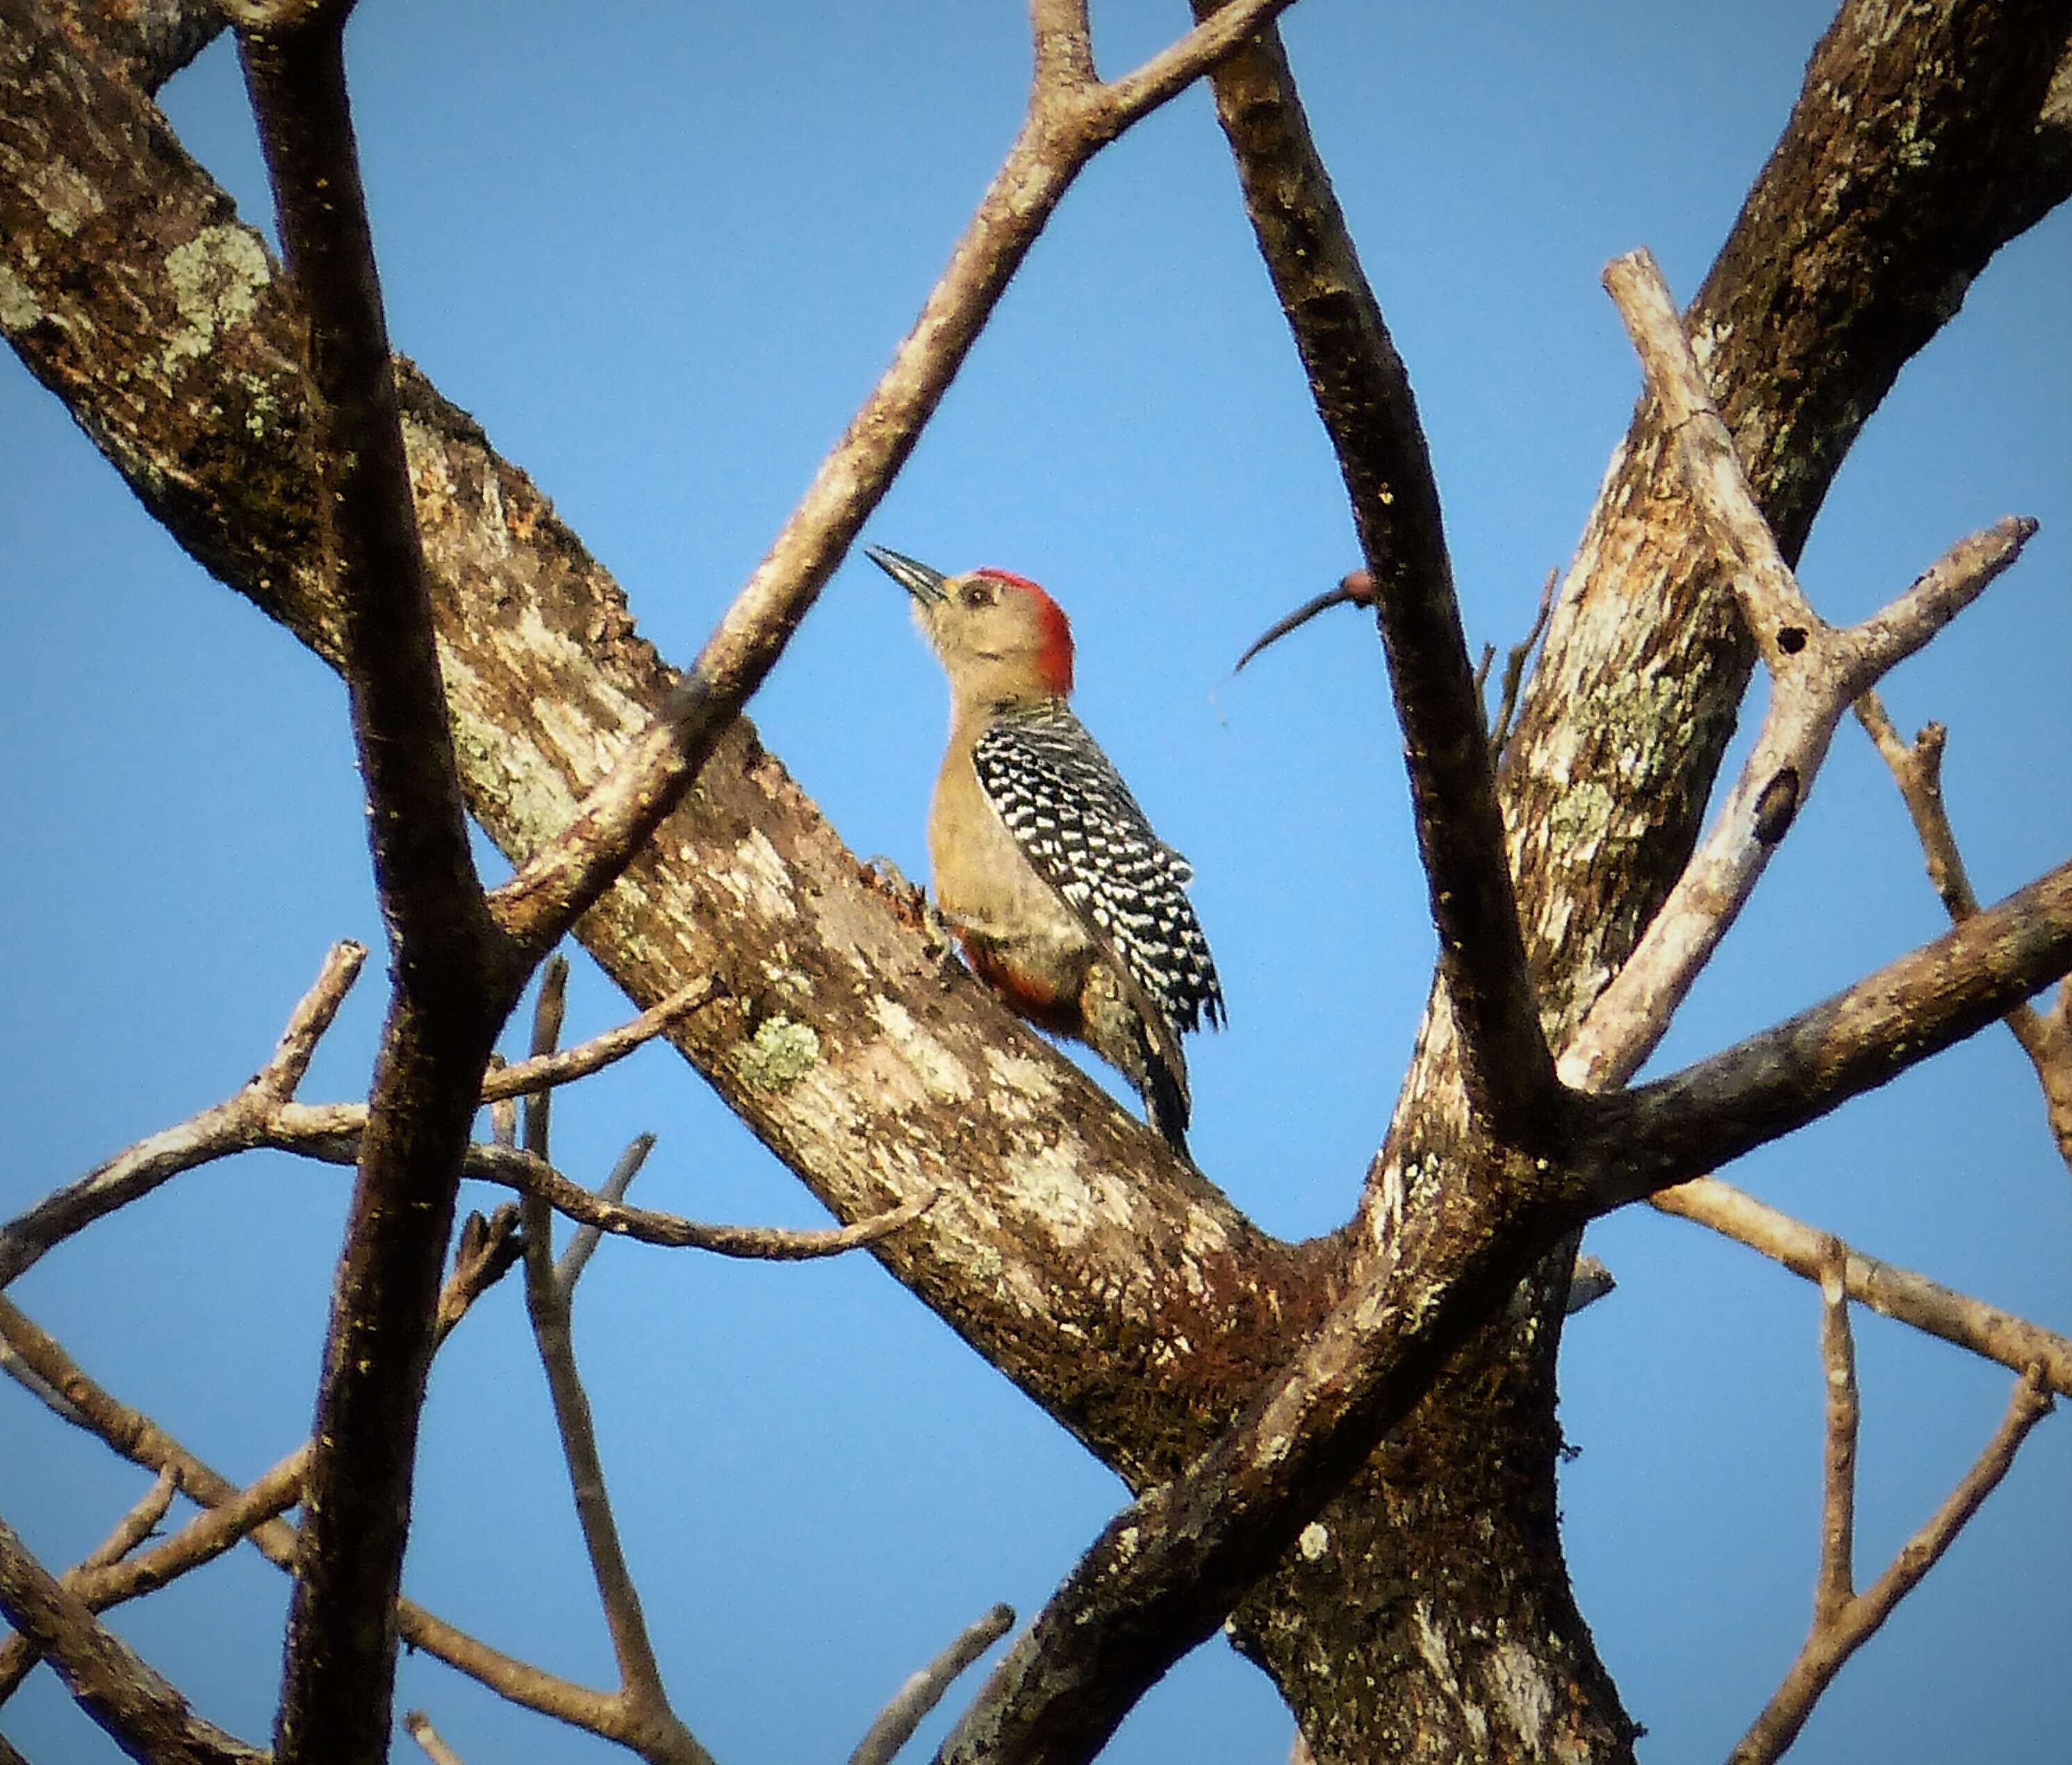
(583, 1245)
(1838, 1634)
(138, 1170)
(923, 1690)
(542, 1072)
(135, 1437)
(1835, 1586)
(137, 1524)
(644, 1698)
(486, 1252)
(2045, 1036)
(1898, 1293)
(1515, 662)
(418, 1726)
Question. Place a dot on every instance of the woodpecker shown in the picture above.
(1065, 902)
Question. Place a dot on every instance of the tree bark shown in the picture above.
(1427, 1613)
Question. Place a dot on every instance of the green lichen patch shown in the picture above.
(780, 1054)
(216, 278)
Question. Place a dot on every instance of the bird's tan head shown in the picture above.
(1000, 638)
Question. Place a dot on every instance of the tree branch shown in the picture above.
(2045, 1037)
(1786, 1076)
(1898, 1293)
(923, 1691)
(1362, 394)
(644, 1701)
(1068, 123)
(1836, 1584)
(1817, 673)
(1840, 1631)
(454, 975)
(136, 1709)
(137, 1438)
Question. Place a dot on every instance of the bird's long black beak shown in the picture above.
(923, 583)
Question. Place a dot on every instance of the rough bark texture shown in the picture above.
(1426, 1613)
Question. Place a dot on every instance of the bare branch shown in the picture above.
(1836, 1584)
(568, 1271)
(418, 1726)
(522, 1171)
(1355, 589)
(923, 1691)
(1818, 673)
(143, 1714)
(138, 1169)
(487, 1250)
(1362, 394)
(455, 974)
(1859, 1038)
(135, 1437)
(642, 1697)
(1838, 1634)
(1515, 662)
(2045, 1037)
(137, 1524)
(544, 1072)
(1897, 1293)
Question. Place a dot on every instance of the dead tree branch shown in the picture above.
(2045, 1036)
(923, 1691)
(1071, 116)
(1844, 1620)
(643, 1700)
(137, 1710)
(1894, 1293)
(1362, 394)
(1862, 1037)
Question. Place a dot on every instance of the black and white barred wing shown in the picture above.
(1069, 812)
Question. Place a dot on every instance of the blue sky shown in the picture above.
(662, 260)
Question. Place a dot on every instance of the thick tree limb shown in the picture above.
(144, 1715)
(1779, 1080)
(1362, 394)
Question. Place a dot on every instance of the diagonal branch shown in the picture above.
(2045, 1037)
(1839, 1630)
(1362, 394)
(1895, 1292)
(1784, 1077)
(143, 1714)
(139, 1439)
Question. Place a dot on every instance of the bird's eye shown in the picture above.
(977, 594)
